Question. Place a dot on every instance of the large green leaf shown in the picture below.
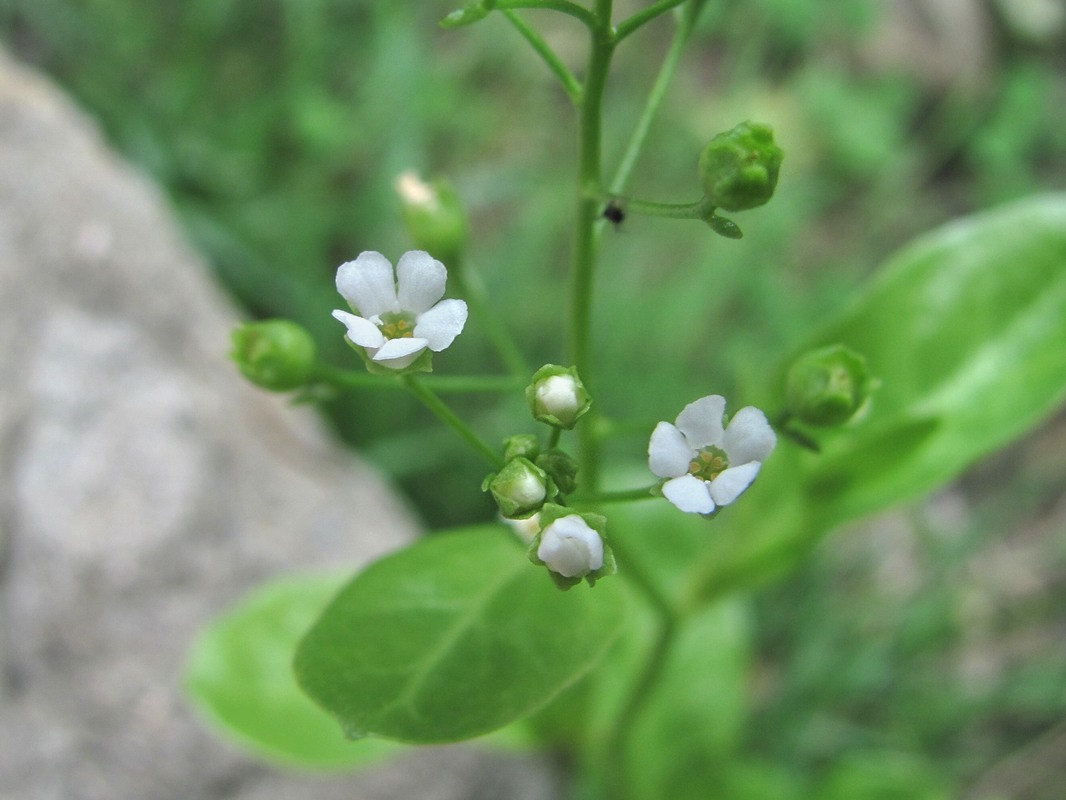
(240, 675)
(453, 637)
(966, 329)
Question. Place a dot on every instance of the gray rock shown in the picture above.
(144, 487)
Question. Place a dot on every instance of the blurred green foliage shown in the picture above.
(277, 127)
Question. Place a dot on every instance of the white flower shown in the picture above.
(707, 466)
(401, 316)
(570, 547)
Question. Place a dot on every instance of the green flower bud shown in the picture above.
(738, 169)
(522, 445)
(828, 387)
(561, 468)
(465, 16)
(520, 488)
(572, 546)
(276, 354)
(433, 215)
(557, 396)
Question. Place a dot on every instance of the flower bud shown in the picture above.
(467, 16)
(522, 445)
(738, 169)
(520, 488)
(828, 386)
(557, 396)
(561, 468)
(276, 354)
(572, 546)
(433, 215)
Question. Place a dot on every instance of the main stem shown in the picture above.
(589, 188)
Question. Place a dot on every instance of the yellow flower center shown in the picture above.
(709, 463)
(397, 325)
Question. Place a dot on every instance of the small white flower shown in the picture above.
(707, 466)
(570, 547)
(398, 316)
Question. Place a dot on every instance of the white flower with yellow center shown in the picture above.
(398, 316)
(706, 465)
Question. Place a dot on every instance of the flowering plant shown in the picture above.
(638, 597)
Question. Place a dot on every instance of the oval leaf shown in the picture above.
(240, 676)
(966, 329)
(453, 637)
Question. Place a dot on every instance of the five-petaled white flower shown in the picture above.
(398, 316)
(705, 465)
(570, 547)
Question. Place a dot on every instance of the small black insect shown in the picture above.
(614, 213)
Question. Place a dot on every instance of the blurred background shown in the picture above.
(277, 128)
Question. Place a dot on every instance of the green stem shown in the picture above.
(590, 131)
(697, 210)
(655, 98)
(572, 9)
(627, 26)
(571, 85)
(613, 755)
(553, 438)
(448, 417)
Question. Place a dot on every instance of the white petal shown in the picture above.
(441, 324)
(368, 284)
(570, 547)
(701, 421)
(361, 331)
(398, 348)
(749, 437)
(690, 494)
(731, 484)
(421, 280)
(668, 453)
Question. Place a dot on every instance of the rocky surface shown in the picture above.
(144, 487)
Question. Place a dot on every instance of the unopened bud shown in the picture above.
(521, 445)
(520, 488)
(828, 387)
(433, 215)
(275, 354)
(557, 396)
(738, 169)
(561, 468)
(572, 546)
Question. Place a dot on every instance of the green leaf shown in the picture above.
(966, 329)
(240, 676)
(453, 637)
